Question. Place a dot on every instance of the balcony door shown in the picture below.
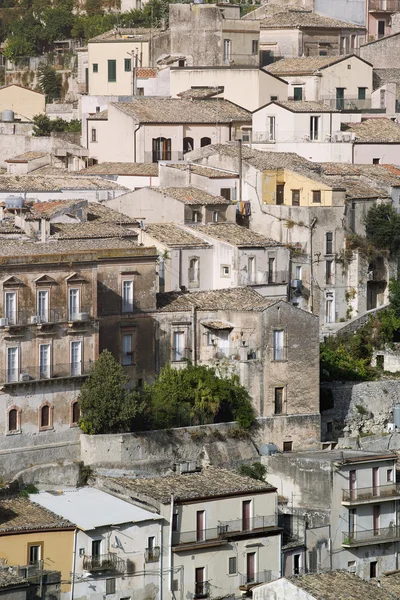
(161, 149)
(200, 525)
(11, 307)
(339, 98)
(76, 358)
(12, 364)
(246, 515)
(44, 360)
(73, 303)
(251, 567)
(375, 481)
(200, 584)
(179, 346)
(352, 484)
(43, 305)
(96, 551)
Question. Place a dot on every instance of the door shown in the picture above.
(376, 515)
(339, 98)
(280, 196)
(296, 564)
(251, 567)
(96, 552)
(352, 522)
(11, 307)
(44, 360)
(200, 526)
(381, 29)
(12, 364)
(352, 484)
(43, 306)
(178, 350)
(76, 358)
(199, 590)
(73, 304)
(246, 515)
(223, 343)
(271, 270)
(375, 481)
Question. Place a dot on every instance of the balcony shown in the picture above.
(384, 5)
(103, 562)
(247, 527)
(14, 376)
(371, 494)
(152, 554)
(349, 103)
(163, 155)
(201, 589)
(44, 317)
(264, 278)
(248, 581)
(193, 539)
(368, 537)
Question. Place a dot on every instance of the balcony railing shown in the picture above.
(248, 525)
(152, 554)
(161, 155)
(43, 372)
(201, 589)
(22, 317)
(371, 536)
(348, 103)
(369, 493)
(196, 537)
(103, 562)
(384, 5)
(264, 277)
(252, 579)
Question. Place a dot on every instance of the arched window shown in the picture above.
(188, 144)
(161, 149)
(205, 141)
(194, 264)
(75, 413)
(13, 420)
(45, 416)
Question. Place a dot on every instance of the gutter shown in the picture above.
(170, 575)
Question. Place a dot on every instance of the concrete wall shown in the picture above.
(353, 11)
(388, 154)
(383, 53)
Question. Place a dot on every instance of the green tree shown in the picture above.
(42, 126)
(50, 82)
(106, 405)
(94, 7)
(382, 228)
(394, 299)
(197, 395)
(255, 471)
(57, 23)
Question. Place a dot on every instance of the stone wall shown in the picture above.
(384, 53)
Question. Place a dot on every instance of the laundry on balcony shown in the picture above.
(244, 208)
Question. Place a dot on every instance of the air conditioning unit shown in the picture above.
(35, 320)
(296, 283)
(3, 322)
(84, 316)
(24, 377)
(338, 137)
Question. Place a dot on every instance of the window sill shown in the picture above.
(50, 428)
(17, 432)
(73, 425)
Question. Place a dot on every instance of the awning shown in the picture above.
(217, 325)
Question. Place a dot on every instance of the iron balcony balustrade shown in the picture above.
(368, 537)
(103, 562)
(24, 317)
(152, 554)
(201, 589)
(17, 376)
(249, 580)
(391, 491)
(384, 5)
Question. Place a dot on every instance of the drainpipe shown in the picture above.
(194, 335)
(134, 140)
(170, 574)
(240, 171)
(160, 595)
(74, 565)
(313, 223)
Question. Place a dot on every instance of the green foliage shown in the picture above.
(394, 299)
(196, 395)
(382, 228)
(50, 82)
(27, 490)
(106, 405)
(87, 27)
(338, 364)
(255, 471)
(43, 126)
(93, 7)
(361, 410)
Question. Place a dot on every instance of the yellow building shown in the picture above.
(290, 188)
(24, 102)
(30, 533)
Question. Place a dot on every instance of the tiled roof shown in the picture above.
(211, 482)
(303, 66)
(139, 34)
(98, 116)
(44, 183)
(8, 579)
(304, 19)
(172, 235)
(146, 73)
(91, 230)
(202, 93)
(390, 582)
(242, 298)
(15, 248)
(190, 195)
(360, 190)
(48, 170)
(374, 131)
(339, 585)
(26, 157)
(305, 106)
(204, 171)
(20, 514)
(104, 214)
(382, 76)
(50, 209)
(180, 110)
(235, 235)
(117, 168)
(384, 174)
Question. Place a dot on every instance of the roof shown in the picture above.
(211, 482)
(172, 235)
(306, 66)
(304, 19)
(342, 456)
(8, 579)
(102, 115)
(202, 92)
(374, 131)
(379, 40)
(243, 299)
(180, 110)
(90, 508)
(117, 168)
(146, 73)
(390, 582)
(3, 87)
(91, 230)
(361, 191)
(339, 585)
(20, 514)
(26, 157)
(303, 106)
(235, 235)
(190, 195)
(384, 174)
(46, 183)
(138, 34)
(382, 76)
(204, 171)
(16, 248)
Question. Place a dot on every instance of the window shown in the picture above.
(353, 41)
(254, 47)
(280, 193)
(194, 272)
(205, 141)
(45, 416)
(10, 302)
(382, 99)
(73, 303)
(278, 344)
(246, 515)
(43, 306)
(232, 565)
(296, 564)
(215, 216)
(329, 272)
(127, 296)
(329, 308)
(389, 476)
(112, 70)
(140, 382)
(127, 65)
(314, 128)
(178, 349)
(12, 364)
(273, 98)
(110, 586)
(44, 361)
(95, 68)
(181, 62)
(373, 569)
(329, 427)
(34, 553)
(362, 93)
(278, 393)
(225, 271)
(227, 51)
(250, 567)
(323, 53)
(175, 522)
(75, 412)
(13, 420)
(127, 354)
(96, 548)
(343, 45)
(188, 144)
(161, 149)
(297, 93)
(200, 526)
(251, 268)
(381, 28)
(295, 197)
(287, 446)
(76, 358)
(94, 134)
(196, 216)
(140, 91)
(271, 129)
(329, 242)
(376, 161)
(298, 272)
(271, 270)
(226, 193)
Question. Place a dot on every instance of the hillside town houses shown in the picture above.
(193, 205)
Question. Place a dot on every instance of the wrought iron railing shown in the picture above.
(58, 315)
(152, 554)
(369, 493)
(384, 5)
(201, 589)
(103, 562)
(197, 536)
(371, 536)
(251, 579)
(224, 530)
(42, 372)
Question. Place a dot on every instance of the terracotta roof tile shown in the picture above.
(339, 585)
(235, 235)
(303, 66)
(20, 514)
(242, 298)
(190, 195)
(45, 183)
(201, 93)
(121, 34)
(305, 106)
(27, 157)
(172, 235)
(304, 19)
(118, 168)
(204, 171)
(146, 73)
(374, 131)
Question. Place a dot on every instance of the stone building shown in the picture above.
(271, 345)
(382, 53)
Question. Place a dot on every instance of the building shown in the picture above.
(129, 175)
(387, 91)
(268, 343)
(220, 529)
(298, 32)
(152, 129)
(215, 181)
(341, 82)
(24, 102)
(12, 586)
(380, 19)
(376, 141)
(348, 500)
(30, 533)
(116, 547)
(382, 53)
(27, 162)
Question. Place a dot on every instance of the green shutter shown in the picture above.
(112, 70)
(95, 68)
(128, 64)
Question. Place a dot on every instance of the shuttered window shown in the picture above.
(112, 70)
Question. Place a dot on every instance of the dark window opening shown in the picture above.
(205, 141)
(13, 420)
(76, 413)
(45, 416)
(287, 446)
(278, 401)
(188, 144)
